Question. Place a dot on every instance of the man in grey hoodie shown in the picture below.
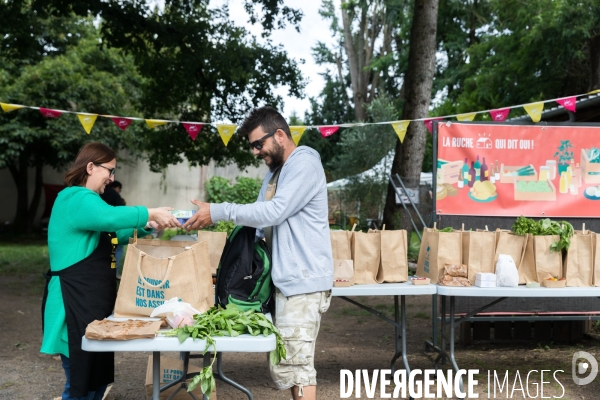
(294, 223)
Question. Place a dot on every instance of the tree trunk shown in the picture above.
(595, 62)
(18, 171)
(408, 160)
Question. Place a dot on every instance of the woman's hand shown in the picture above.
(163, 217)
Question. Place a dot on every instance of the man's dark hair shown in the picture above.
(267, 118)
(115, 184)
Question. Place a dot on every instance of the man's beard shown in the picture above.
(276, 156)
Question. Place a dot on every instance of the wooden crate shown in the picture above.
(590, 172)
(511, 179)
(534, 196)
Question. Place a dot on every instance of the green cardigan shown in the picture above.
(78, 216)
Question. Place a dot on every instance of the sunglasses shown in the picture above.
(111, 170)
(258, 144)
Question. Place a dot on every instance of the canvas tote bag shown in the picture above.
(596, 246)
(510, 244)
(157, 270)
(438, 249)
(478, 251)
(366, 254)
(393, 263)
(526, 266)
(216, 244)
(579, 262)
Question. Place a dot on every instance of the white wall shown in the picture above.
(179, 184)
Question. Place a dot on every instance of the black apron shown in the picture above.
(89, 291)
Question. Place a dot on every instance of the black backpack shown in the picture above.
(244, 273)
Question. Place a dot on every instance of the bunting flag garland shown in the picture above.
(226, 131)
(327, 131)
(10, 107)
(500, 114)
(88, 121)
(192, 128)
(121, 122)
(568, 103)
(400, 128)
(535, 110)
(429, 123)
(153, 123)
(48, 113)
(466, 117)
(297, 132)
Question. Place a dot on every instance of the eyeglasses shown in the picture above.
(258, 144)
(111, 170)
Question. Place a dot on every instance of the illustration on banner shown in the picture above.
(525, 173)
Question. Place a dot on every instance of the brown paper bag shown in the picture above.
(579, 262)
(343, 273)
(478, 250)
(596, 246)
(366, 254)
(547, 262)
(122, 330)
(393, 264)
(340, 244)
(170, 370)
(455, 275)
(216, 243)
(437, 249)
(510, 244)
(157, 270)
(526, 266)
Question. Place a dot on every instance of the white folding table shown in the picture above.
(501, 293)
(244, 343)
(399, 322)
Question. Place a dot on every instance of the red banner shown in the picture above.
(500, 170)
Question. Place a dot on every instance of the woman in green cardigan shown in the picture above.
(83, 233)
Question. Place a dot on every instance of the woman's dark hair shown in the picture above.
(94, 152)
(267, 118)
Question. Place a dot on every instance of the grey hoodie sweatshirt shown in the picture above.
(298, 213)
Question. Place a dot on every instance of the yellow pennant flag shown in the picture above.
(400, 127)
(88, 121)
(466, 117)
(594, 91)
(10, 107)
(297, 132)
(226, 131)
(153, 123)
(535, 110)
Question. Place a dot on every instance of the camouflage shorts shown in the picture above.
(298, 319)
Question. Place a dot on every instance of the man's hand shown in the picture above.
(201, 219)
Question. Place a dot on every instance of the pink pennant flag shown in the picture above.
(500, 114)
(429, 123)
(48, 113)
(192, 129)
(568, 103)
(328, 130)
(121, 122)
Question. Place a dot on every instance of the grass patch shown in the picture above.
(23, 259)
(421, 315)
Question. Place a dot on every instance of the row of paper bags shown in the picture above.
(479, 250)
(377, 256)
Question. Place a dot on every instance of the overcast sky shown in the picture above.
(298, 46)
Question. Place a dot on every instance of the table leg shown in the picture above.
(397, 333)
(434, 332)
(221, 376)
(452, 327)
(404, 355)
(442, 352)
(156, 375)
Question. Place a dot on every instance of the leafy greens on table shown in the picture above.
(524, 225)
(231, 321)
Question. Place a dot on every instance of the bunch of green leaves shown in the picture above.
(244, 191)
(231, 321)
(563, 229)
